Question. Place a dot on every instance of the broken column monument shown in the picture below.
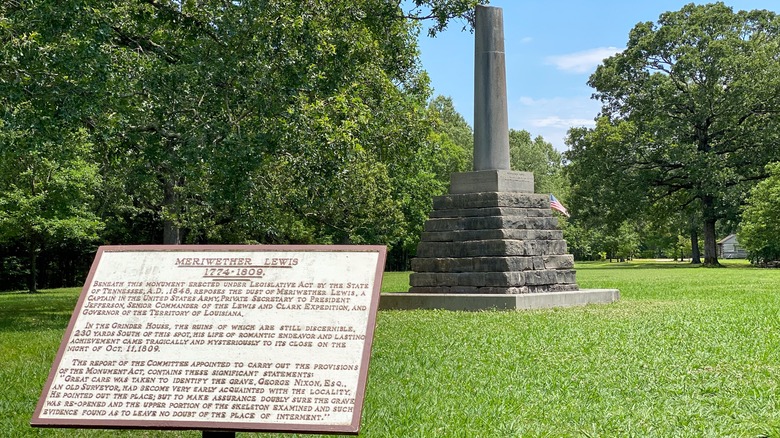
(491, 242)
(491, 234)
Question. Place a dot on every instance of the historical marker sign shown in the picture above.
(252, 338)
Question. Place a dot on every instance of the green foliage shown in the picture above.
(453, 136)
(48, 179)
(625, 244)
(47, 189)
(689, 118)
(225, 122)
(584, 243)
(538, 156)
(598, 242)
(760, 227)
(603, 190)
(288, 122)
(442, 12)
(444, 146)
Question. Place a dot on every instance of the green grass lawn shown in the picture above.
(686, 352)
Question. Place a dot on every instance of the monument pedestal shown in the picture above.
(491, 181)
(492, 237)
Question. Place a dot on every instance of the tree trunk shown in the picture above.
(32, 280)
(171, 231)
(710, 244)
(695, 255)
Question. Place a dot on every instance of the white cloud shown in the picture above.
(557, 122)
(526, 40)
(552, 117)
(525, 100)
(584, 61)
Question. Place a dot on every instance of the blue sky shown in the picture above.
(552, 47)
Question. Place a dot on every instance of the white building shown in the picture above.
(728, 248)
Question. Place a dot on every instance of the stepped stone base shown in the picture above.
(492, 235)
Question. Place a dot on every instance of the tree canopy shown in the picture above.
(234, 122)
(690, 118)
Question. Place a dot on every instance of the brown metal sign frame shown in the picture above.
(212, 424)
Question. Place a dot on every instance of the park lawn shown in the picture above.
(687, 351)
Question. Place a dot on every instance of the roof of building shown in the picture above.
(731, 238)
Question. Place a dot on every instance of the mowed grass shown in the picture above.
(686, 352)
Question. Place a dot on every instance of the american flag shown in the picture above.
(556, 205)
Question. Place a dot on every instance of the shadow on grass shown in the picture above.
(46, 310)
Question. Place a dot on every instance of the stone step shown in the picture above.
(492, 264)
(494, 290)
(492, 279)
(495, 248)
(514, 234)
(491, 223)
(491, 211)
(491, 199)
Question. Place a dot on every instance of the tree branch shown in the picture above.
(157, 129)
(186, 19)
(144, 44)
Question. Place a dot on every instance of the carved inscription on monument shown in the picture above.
(242, 340)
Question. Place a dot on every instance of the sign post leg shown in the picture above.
(216, 434)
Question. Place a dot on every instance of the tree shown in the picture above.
(759, 231)
(582, 242)
(539, 157)
(206, 95)
(46, 193)
(623, 243)
(690, 116)
(212, 121)
(48, 178)
(453, 135)
(282, 121)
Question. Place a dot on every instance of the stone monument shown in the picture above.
(491, 242)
